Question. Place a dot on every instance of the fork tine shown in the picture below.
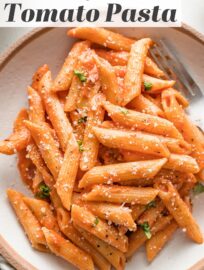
(183, 78)
(186, 77)
(159, 58)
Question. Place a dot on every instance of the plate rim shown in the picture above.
(6, 250)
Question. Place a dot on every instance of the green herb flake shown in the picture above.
(152, 204)
(80, 75)
(44, 191)
(96, 221)
(124, 111)
(80, 144)
(198, 188)
(146, 228)
(82, 120)
(147, 86)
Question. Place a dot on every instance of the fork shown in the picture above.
(167, 59)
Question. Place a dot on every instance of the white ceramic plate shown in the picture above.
(16, 69)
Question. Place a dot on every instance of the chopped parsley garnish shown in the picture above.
(147, 86)
(44, 191)
(80, 75)
(146, 228)
(96, 221)
(82, 120)
(152, 204)
(124, 111)
(80, 144)
(198, 188)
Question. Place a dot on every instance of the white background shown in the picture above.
(192, 12)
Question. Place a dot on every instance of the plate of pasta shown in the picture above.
(103, 159)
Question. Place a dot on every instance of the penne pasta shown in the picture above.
(40, 72)
(26, 168)
(55, 111)
(86, 220)
(144, 105)
(138, 238)
(42, 211)
(115, 58)
(157, 242)
(37, 180)
(36, 109)
(175, 113)
(28, 221)
(142, 121)
(179, 210)
(176, 146)
(175, 177)
(35, 156)
(103, 37)
(55, 199)
(130, 140)
(178, 96)
(187, 185)
(109, 83)
(121, 58)
(115, 173)
(46, 144)
(130, 156)
(78, 120)
(137, 210)
(20, 137)
(65, 75)
(121, 194)
(73, 94)
(64, 220)
(153, 210)
(65, 249)
(67, 174)
(155, 85)
(135, 69)
(85, 83)
(152, 69)
(113, 255)
(117, 214)
(138, 182)
(156, 99)
(90, 144)
(182, 163)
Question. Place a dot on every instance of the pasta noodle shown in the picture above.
(55, 111)
(65, 249)
(179, 210)
(156, 243)
(67, 174)
(20, 137)
(135, 69)
(121, 194)
(113, 255)
(27, 220)
(121, 58)
(64, 220)
(121, 172)
(90, 144)
(64, 77)
(142, 121)
(87, 221)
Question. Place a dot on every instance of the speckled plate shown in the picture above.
(50, 46)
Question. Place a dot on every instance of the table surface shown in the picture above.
(193, 12)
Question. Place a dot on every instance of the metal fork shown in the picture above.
(165, 57)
